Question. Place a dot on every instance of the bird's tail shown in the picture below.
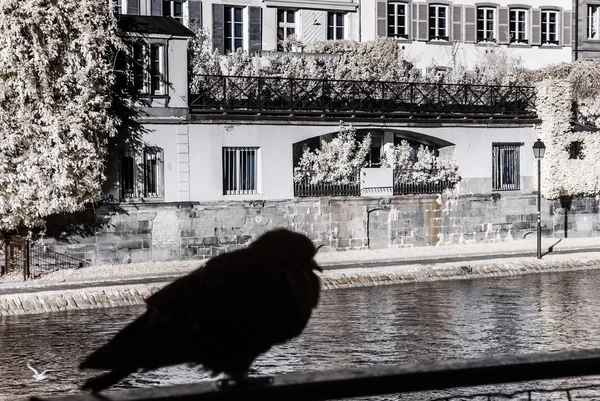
(105, 380)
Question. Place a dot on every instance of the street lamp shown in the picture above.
(538, 152)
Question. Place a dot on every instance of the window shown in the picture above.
(240, 171)
(486, 27)
(397, 20)
(286, 26)
(143, 71)
(506, 166)
(549, 26)
(438, 15)
(173, 9)
(593, 18)
(335, 26)
(575, 150)
(234, 28)
(142, 174)
(518, 26)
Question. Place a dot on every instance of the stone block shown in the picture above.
(210, 241)
(228, 240)
(188, 233)
(242, 239)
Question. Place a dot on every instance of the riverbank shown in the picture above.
(121, 285)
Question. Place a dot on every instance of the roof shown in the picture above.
(147, 24)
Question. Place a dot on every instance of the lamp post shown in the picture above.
(538, 152)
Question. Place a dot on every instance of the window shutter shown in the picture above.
(382, 18)
(503, 34)
(566, 23)
(457, 23)
(470, 24)
(536, 28)
(422, 15)
(255, 26)
(133, 7)
(156, 7)
(195, 11)
(414, 21)
(218, 28)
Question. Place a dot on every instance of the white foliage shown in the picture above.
(338, 161)
(55, 93)
(427, 168)
(562, 175)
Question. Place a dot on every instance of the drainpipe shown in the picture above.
(359, 22)
(576, 44)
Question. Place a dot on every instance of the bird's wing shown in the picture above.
(32, 368)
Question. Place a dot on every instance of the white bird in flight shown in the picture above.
(37, 375)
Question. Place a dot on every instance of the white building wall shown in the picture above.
(472, 151)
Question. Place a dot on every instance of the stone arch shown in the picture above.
(380, 137)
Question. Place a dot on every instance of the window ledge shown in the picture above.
(520, 45)
(550, 46)
(158, 199)
(439, 42)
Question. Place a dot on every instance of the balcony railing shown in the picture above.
(330, 98)
(421, 188)
(305, 189)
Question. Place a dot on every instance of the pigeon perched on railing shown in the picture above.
(221, 316)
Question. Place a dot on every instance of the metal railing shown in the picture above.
(324, 97)
(476, 378)
(421, 188)
(32, 259)
(304, 189)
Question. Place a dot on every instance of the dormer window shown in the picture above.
(173, 9)
(143, 71)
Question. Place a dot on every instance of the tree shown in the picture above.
(337, 162)
(57, 106)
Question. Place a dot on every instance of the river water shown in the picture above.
(351, 328)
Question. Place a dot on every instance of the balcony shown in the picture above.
(368, 184)
(273, 96)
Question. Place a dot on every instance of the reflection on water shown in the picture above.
(351, 327)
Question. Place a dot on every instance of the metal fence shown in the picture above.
(306, 189)
(421, 188)
(513, 377)
(325, 97)
(21, 255)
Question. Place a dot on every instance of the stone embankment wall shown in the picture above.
(161, 232)
(124, 295)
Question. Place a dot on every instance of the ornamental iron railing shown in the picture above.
(330, 98)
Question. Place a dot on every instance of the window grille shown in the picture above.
(240, 171)
(506, 166)
(153, 163)
(141, 175)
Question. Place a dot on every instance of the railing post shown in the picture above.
(26, 273)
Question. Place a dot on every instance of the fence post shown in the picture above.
(26, 272)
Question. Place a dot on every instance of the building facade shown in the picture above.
(216, 168)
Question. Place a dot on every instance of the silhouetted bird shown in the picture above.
(221, 316)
